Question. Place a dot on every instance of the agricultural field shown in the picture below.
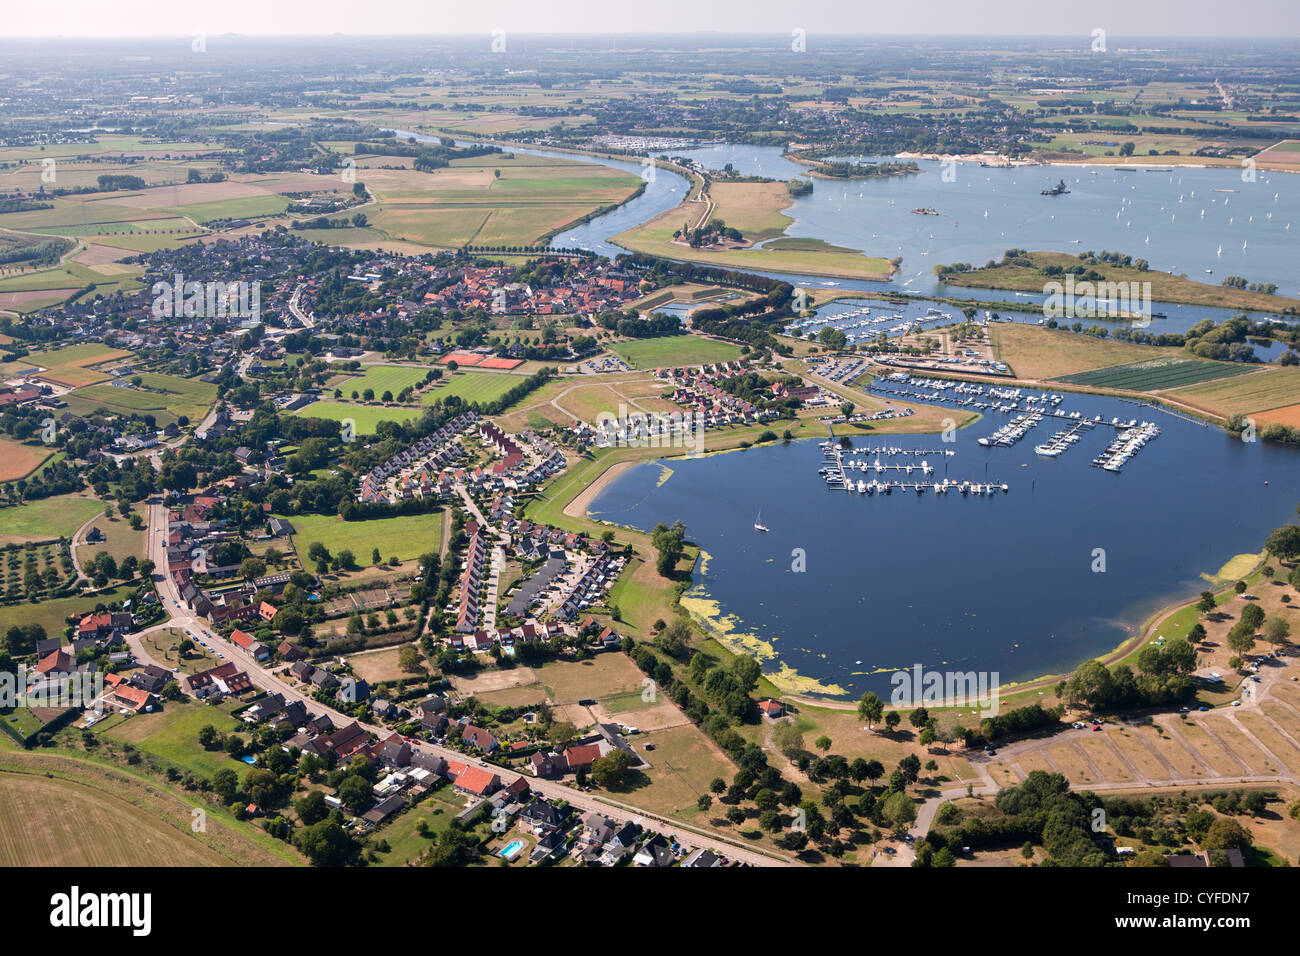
(405, 537)
(1267, 388)
(168, 398)
(490, 200)
(18, 460)
(93, 827)
(72, 365)
(1041, 354)
(1155, 374)
(47, 562)
(46, 518)
(675, 350)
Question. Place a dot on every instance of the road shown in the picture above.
(182, 617)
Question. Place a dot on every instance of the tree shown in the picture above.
(327, 844)
(311, 807)
(356, 793)
(898, 811)
(610, 771)
(822, 743)
(787, 739)
(251, 568)
(704, 803)
(408, 659)
(1276, 630)
(208, 737)
(892, 720)
(870, 708)
(1207, 604)
(225, 784)
(919, 717)
(1226, 834)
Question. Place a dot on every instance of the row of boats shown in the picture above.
(1014, 430)
(876, 486)
(1126, 444)
(1062, 440)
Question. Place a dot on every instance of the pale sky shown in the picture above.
(1120, 18)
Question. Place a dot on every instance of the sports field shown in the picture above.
(1157, 373)
(404, 538)
(675, 350)
(473, 386)
(384, 378)
(366, 417)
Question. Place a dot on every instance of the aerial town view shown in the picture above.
(593, 438)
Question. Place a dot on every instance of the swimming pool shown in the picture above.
(512, 849)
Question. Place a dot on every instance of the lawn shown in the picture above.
(162, 645)
(405, 537)
(120, 540)
(675, 350)
(46, 518)
(1156, 373)
(172, 736)
(53, 615)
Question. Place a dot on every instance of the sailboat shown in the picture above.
(758, 523)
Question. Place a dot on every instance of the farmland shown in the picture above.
(73, 365)
(18, 460)
(167, 398)
(1268, 388)
(405, 537)
(1041, 354)
(1157, 373)
(675, 350)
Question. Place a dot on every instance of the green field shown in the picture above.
(45, 518)
(366, 417)
(405, 537)
(173, 736)
(384, 378)
(675, 350)
(1154, 374)
(248, 207)
(52, 615)
(473, 386)
(166, 397)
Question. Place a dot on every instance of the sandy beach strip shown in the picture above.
(577, 508)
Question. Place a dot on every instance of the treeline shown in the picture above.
(109, 182)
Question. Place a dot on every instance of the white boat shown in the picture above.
(758, 523)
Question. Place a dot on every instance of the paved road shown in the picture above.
(182, 617)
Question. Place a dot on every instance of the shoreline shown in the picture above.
(577, 507)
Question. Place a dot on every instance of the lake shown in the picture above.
(1000, 583)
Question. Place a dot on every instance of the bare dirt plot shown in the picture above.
(531, 695)
(1281, 748)
(580, 717)
(1288, 415)
(1072, 764)
(493, 679)
(656, 716)
(1286, 691)
(166, 197)
(1185, 764)
(1214, 756)
(376, 666)
(1129, 744)
(1240, 746)
(1003, 775)
(1107, 761)
(35, 298)
(18, 460)
(603, 676)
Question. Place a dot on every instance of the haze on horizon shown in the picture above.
(986, 18)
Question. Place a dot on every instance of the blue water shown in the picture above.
(1001, 584)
